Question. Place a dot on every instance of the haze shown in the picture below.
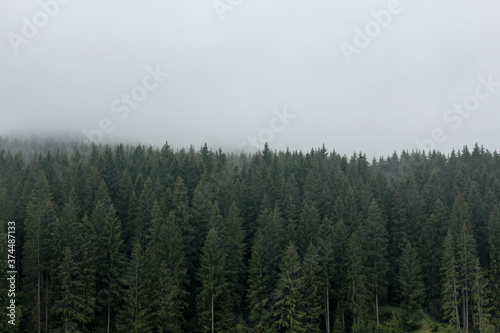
(235, 66)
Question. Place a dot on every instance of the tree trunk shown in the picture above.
(376, 306)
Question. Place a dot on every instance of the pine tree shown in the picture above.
(466, 260)
(106, 233)
(263, 268)
(135, 315)
(376, 247)
(261, 285)
(312, 287)
(480, 293)
(288, 311)
(326, 265)
(450, 282)
(88, 268)
(434, 233)
(40, 214)
(213, 283)
(169, 297)
(359, 295)
(342, 263)
(70, 307)
(412, 287)
(234, 239)
(494, 259)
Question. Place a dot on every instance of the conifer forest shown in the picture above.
(134, 238)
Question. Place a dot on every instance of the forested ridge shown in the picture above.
(124, 238)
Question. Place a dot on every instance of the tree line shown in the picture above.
(123, 238)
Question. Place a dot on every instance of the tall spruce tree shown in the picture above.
(288, 308)
(213, 283)
(376, 248)
(169, 296)
(412, 287)
(135, 315)
(481, 300)
(326, 266)
(450, 289)
(69, 308)
(106, 234)
(494, 261)
(263, 269)
(40, 214)
(234, 239)
(359, 295)
(311, 289)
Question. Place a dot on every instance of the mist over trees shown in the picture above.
(123, 238)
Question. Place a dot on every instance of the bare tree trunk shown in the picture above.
(376, 306)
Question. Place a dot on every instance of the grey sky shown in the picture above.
(226, 76)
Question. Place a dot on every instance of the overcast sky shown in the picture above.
(371, 76)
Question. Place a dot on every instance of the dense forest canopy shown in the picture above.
(124, 238)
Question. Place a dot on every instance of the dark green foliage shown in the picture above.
(359, 296)
(135, 315)
(109, 258)
(169, 295)
(311, 287)
(40, 215)
(263, 270)
(412, 287)
(289, 308)
(494, 258)
(69, 309)
(80, 211)
(376, 248)
(450, 282)
(214, 286)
